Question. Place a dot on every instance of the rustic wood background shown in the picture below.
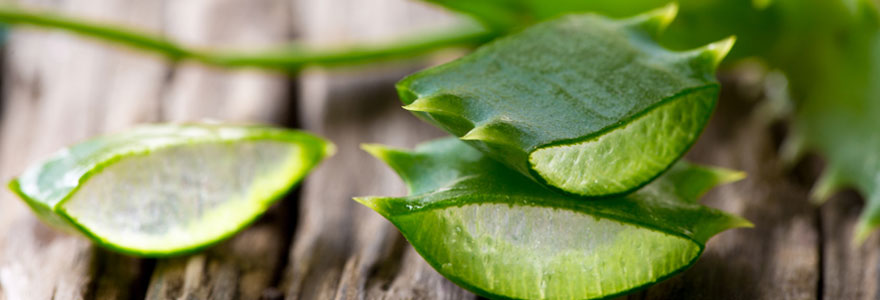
(318, 243)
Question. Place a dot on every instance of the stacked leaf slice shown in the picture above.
(499, 234)
(564, 182)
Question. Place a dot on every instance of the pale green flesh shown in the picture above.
(177, 197)
(532, 252)
(629, 155)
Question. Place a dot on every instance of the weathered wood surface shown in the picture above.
(317, 243)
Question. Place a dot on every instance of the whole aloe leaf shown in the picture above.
(576, 102)
(501, 235)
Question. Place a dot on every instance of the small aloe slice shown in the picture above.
(167, 189)
(583, 103)
(493, 231)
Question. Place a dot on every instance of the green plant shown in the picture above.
(575, 102)
(570, 104)
(168, 189)
(289, 59)
(493, 231)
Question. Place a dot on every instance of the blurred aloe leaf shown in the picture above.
(835, 84)
(573, 102)
(504, 15)
(291, 58)
(698, 21)
(499, 234)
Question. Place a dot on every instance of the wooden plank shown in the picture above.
(780, 257)
(248, 264)
(342, 250)
(65, 89)
(61, 89)
(850, 271)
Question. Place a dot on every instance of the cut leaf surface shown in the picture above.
(499, 234)
(165, 189)
(584, 103)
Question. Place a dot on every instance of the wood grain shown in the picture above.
(61, 89)
(341, 249)
(64, 89)
(850, 271)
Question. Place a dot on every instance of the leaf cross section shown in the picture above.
(168, 189)
(586, 104)
(501, 235)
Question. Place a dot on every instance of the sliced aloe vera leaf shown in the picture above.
(493, 231)
(586, 104)
(168, 189)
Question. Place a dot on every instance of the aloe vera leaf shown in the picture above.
(834, 86)
(497, 233)
(505, 15)
(289, 58)
(586, 104)
(163, 190)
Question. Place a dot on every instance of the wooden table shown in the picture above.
(318, 243)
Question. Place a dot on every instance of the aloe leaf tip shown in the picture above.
(730, 176)
(376, 150)
(829, 183)
(656, 21)
(374, 203)
(717, 51)
(862, 232)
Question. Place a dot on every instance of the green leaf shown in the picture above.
(834, 85)
(168, 189)
(290, 58)
(503, 15)
(491, 230)
(575, 102)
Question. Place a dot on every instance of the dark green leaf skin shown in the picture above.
(586, 104)
(47, 185)
(501, 235)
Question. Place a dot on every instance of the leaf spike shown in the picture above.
(479, 133)
(374, 203)
(491, 132)
(830, 182)
(655, 21)
(401, 161)
(718, 50)
(377, 150)
(761, 4)
(710, 56)
(728, 176)
(863, 231)
(391, 156)
(793, 148)
(434, 105)
(869, 219)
